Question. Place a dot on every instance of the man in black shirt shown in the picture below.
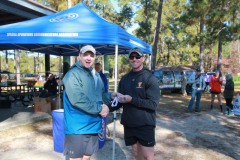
(139, 95)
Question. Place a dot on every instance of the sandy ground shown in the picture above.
(206, 135)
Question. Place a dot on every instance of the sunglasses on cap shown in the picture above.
(137, 57)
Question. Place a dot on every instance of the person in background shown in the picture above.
(98, 68)
(102, 135)
(4, 81)
(51, 85)
(207, 81)
(85, 103)
(216, 84)
(228, 92)
(184, 84)
(39, 77)
(197, 91)
(139, 95)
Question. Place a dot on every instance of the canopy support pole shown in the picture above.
(115, 90)
(59, 82)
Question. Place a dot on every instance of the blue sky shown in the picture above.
(115, 5)
(131, 29)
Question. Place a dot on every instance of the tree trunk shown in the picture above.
(47, 65)
(156, 36)
(6, 58)
(168, 54)
(201, 55)
(17, 65)
(35, 65)
(211, 59)
(219, 62)
(209, 63)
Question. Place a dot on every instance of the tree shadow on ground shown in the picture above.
(15, 108)
(106, 152)
(210, 130)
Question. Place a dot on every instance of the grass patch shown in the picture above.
(237, 84)
(236, 80)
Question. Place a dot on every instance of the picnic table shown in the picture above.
(23, 92)
(19, 92)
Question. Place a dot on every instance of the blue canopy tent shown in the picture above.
(64, 33)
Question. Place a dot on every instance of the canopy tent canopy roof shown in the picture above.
(64, 33)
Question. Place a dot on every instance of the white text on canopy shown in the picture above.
(25, 34)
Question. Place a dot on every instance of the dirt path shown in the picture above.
(207, 135)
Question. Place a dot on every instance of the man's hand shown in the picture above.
(125, 99)
(116, 94)
(105, 110)
(113, 95)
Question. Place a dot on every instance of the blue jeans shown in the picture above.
(195, 94)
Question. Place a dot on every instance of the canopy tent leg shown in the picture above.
(115, 90)
(59, 83)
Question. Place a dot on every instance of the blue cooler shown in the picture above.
(58, 129)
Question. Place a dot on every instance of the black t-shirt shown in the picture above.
(144, 89)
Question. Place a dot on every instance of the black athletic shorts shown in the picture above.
(76, 146)
(145, 135)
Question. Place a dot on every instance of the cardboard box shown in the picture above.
(31, 83)
(55, 103)
(39, 83)
(41, 105)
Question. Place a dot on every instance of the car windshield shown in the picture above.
(167, 74)
(158, 74)
(189, 73)
(178, 75)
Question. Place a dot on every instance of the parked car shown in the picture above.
(12, 76)
(170, 78)
(29, 75)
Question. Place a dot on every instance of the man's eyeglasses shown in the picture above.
(137, 57)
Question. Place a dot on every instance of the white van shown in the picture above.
(170, 78)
